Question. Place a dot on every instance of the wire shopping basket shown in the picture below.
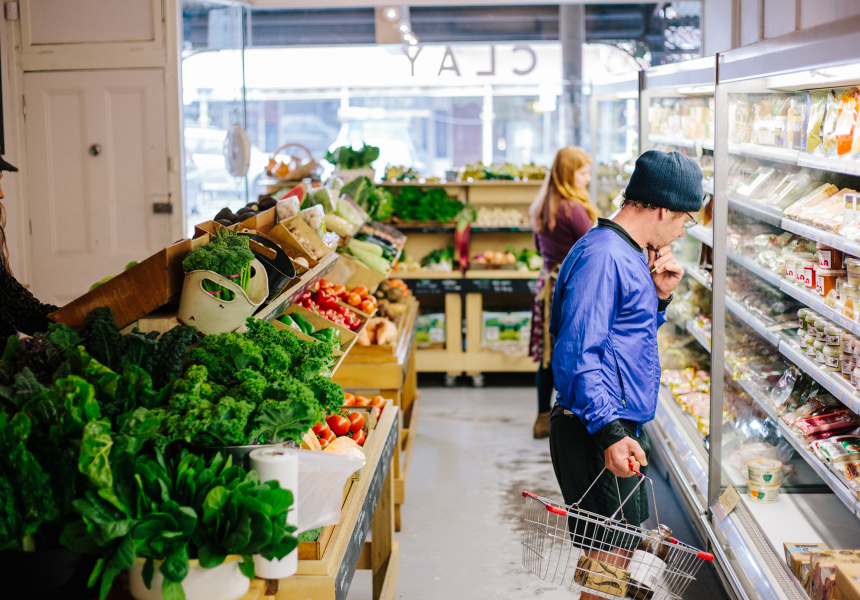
(603, 556)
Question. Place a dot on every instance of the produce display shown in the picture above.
(345, 157)
(377, 201)
(400, 173)
(506, 172)
(228, 255)
(413, 203)
(226, 217)
(441, 260)
(325, 299)
(500, 217)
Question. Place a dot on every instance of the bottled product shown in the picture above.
(648, 563)
(808, 342)
(852, 265)
(825, 280)
(834, 335)
(848, 341)
(829, 258)
(821, 325)
(799, 259)
(832, 356)
(801, 314)
(819, 346)
(790, 267)
(847, 366)
(809, 268)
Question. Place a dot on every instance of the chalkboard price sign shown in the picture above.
(365, 516)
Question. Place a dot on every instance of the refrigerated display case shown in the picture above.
(614, 115)
(777, 389)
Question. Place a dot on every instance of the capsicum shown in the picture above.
(305, 325)
(329, 335)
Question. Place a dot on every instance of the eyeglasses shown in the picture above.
(690, 222)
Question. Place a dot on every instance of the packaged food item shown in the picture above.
(811, 200)
(601, 576)
(818, 351)
(848, 340)
(837, 449)
(846, 121)
(764, 494)
(817, 108)
(828, 127)
(850, 214)
(821, 325)
(801, 314)
(789, 269)
(811, 340)
(832, 358)
(764, 471)
(822, 571)
(796, 554)
(825, 280)
(851, 471)
(837, 419)
(834, 336)
(828, 258)
(847, 582)
(852, 266)
(648, 563)
(847, 366)
(809, 273)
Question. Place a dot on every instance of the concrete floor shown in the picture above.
(474, 455)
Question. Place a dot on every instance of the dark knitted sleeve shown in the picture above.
(19, 309)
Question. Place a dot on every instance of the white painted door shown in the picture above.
(96, 164)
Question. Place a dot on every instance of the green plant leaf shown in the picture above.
(170, 590)
(147, 572)
(95, 453)
(210, 557)
(247, 566)
(175, 565)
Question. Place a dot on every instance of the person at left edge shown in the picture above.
(20, 311)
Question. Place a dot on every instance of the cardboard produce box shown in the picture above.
(847, 583)
(797, 556)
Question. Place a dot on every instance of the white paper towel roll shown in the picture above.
(281, 465)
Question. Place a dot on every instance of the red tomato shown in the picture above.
(365, 307)
(358, 436)
(353, 299)
(327, 437)
(348, 399)
(324, 283)
(338, 424)
(338, 290)
(378, 401)
(375, 411)
(361, 401)
(360, 290)
(356, 422)
(319, 428)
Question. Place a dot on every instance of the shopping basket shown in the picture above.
(592, 553)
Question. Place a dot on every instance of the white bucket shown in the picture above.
(212, 315)
(224, 582)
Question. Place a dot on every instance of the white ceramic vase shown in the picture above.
(224, 582)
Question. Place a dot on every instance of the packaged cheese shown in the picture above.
(847, 582)
(797, 555)
(837, 449)
(822, 571)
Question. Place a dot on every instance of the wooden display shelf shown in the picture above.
(369, 508)
(388, 352)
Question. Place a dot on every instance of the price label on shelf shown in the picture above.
(729, 500)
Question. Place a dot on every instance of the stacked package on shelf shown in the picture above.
(691, 389)
(824, 573)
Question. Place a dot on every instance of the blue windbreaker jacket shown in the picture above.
(605, 315)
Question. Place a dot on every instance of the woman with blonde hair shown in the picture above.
(560, 215)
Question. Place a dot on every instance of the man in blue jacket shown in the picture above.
(612, 293)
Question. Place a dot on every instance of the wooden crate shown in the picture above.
(347, 336)
(137, 292)
(388, 352)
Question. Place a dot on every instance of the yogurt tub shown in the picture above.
(848, 341)
(764, 471)
(801, 314)
(821, 325)
(818, 351)
(808, 342)
(764, 494)
(834, 335)
(832, 358)
(790, 266)
(852, 265)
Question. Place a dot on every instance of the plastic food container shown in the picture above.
(829, 258)
(801, 314)
(834, 336)
(799, 258)
(848, 341)
(809, 340)
(852, 265)
(810, 323)
(855, 376)
(765, 494)
(764, 471)
(825, 280)
(821, 325)
(848, 292)
(801, 334)
(847, 366)
(832, 358)
(809, 267)
(818, 350)
(791, 266)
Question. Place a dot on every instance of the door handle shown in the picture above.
(96, 149)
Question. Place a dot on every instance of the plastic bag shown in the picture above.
(315, 218)
(322, 476)
(288, 208)
(828, 129)
(331, 239)
(818, 102)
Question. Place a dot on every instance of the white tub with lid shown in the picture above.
(764, 471)
(764, 494)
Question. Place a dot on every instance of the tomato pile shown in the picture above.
(346, 423)
(324, 298)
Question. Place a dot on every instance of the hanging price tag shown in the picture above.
(848, 309)
(831, 299)
(729, 499)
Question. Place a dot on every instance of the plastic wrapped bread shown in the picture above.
(818, 195)
(833, 220)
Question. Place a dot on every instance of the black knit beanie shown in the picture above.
(666, 180)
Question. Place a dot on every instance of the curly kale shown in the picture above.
(252, 386)
(328, 393)
(140, 349)
(43, 354)
(171, 350)
(225, 354)
(226, 256)
(315, 360)
(102, 338)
